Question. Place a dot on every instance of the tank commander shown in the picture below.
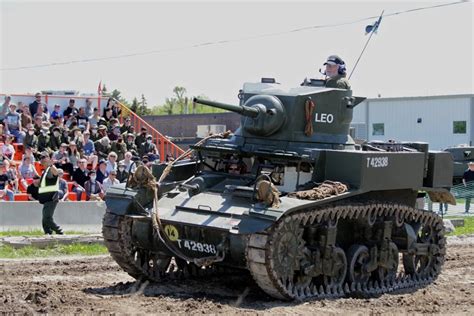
(336, 73)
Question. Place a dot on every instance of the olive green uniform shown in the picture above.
(338, 82)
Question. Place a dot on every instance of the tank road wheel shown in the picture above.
(339, 269)
(358, 257)
(153, 265)
(389, 270)
(421, 265)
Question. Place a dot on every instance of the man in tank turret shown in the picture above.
(336, 73)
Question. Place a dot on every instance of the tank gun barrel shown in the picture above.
(241, 109)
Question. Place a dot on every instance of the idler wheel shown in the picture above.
(358, 257)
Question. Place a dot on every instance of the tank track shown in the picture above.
(142, 264)
(294, 274)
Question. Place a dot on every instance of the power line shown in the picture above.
(221, 42)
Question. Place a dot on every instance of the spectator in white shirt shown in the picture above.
(110, 180)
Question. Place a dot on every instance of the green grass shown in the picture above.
(467, 229)
(32, 233)
(53, 251)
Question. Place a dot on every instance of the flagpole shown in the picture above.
(365, 46)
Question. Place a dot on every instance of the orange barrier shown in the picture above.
(21, 197)
(164, 145)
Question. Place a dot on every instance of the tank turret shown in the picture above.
(263, 114)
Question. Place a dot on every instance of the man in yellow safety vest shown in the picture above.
(48, 194)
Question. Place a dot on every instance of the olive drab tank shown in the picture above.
(289, 197)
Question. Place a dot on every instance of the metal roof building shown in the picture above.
(442, 121)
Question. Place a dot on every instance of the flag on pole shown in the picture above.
(373, 28)
(99, 88)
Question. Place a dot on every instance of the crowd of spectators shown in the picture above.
(92, 147)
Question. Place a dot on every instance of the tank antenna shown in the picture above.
(371, 28)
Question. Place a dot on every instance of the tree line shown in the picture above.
(179, 103)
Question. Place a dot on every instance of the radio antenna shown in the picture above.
(371, 28)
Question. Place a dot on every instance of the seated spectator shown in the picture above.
(102, 130)
(127, 161)
(94, 136)
(29, 153)
(65, 136)
(107, 115)
(127, 126)
(71, 110)
(88, 150)
(94, 190)
(82, 118)
(76, 137)
(74, 155)
(141, 138)
(25, 116)
(96, 120)
(5, 107)
(111, 162)
(37, 124)
(43, 140)
(122, 174)
(116, 110)
(113, 107)
(5, 192)
(119, 148)
(103, 147)
(55, 139)
(101, 172)
(26, 171)
(33, 188)
(63, 189)
(12, 174)
(130, 143)
(7, 149)
(13, 121)
(56, 113)
(31, 140)
(80, 176)
(114, 133)
(3, 131)
(149, 149)
(42, 114)
(70, 122)
(110, 180)
(61, 159)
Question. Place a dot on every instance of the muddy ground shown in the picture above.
(97, 285)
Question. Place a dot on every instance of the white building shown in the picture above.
(442, 121)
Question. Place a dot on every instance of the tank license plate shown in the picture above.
(196, 246)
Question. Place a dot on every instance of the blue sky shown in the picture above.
(421, 53)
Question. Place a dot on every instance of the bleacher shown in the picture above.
(21, 195)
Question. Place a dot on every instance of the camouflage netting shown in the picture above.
(268, 193)
(142, 178)
(323, 190)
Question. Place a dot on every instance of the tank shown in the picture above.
(291, 199)
(462, 155)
